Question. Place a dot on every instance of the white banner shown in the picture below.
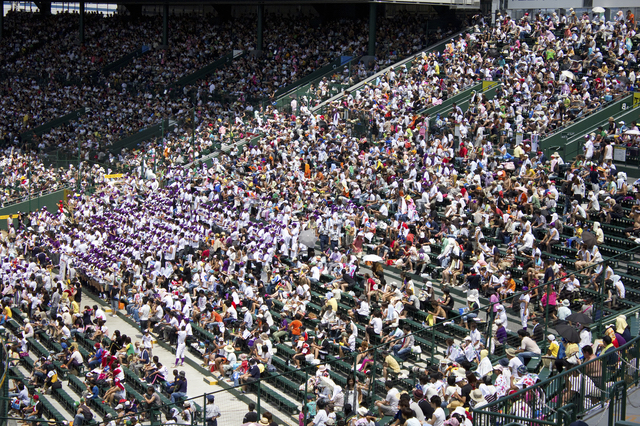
(545, 4)
(63, 268)
(617, 4)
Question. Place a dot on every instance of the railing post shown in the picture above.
(546, 310)
(433, 342)
(372, 385)
(489, 330)
(304, 400)
(602, 297)
(605, 374)
(355, 386)
(204, 410)
(258, 401)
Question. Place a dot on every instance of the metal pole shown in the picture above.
(489, 330)
(29, 189)
(163, 147)
(259, 44)
(372, 385)
(81, 36)
(258, 402)
(79, 171)
(204, 409)
(193, 131)
(304, 400)
(546, 312)
(165, 24)
(433, 341)
(1, 20)
(602, 297)
(355, 386)
(373, 8)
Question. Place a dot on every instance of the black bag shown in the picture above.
(88, 415)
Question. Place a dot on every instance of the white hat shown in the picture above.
(473, 296)
(362, 411)
(460, 411)
(551, 337)
(429, 284)
(566, 302)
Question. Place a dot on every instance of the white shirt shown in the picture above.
(144, 312)
(321, 418)
(376, 323)
(182, 337)
(439, 416)
(393, 398)
(513, 365)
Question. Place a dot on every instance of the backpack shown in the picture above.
(561, 351)
(88, 415)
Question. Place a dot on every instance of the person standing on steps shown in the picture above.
(143, 313)
(182, 344)
(114, 295)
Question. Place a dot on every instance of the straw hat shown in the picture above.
(476, 395)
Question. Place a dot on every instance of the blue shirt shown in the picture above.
(95, 392)
(181, 386)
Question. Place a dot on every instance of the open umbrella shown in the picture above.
(632, 132)
(579, 317)
(598, 9)
(568, 332)
(568, 74)
(308, 238)
(588, 239)
(372, 258)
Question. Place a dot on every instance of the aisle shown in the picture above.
(232, 407)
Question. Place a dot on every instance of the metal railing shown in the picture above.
(4, 384)
(437, 46)
(575, 391)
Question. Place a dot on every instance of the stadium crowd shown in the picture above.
(266, 248)
(39, 92)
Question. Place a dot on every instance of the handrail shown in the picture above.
(4, 385)
(398, 64)
(579, 137)
(492, 409)
(582, 118)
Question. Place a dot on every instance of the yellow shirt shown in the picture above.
(75, 307)
(518, 151)
(554, 348)
(392, 363)
(7, 312)
(571, 349)
(333, 303)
